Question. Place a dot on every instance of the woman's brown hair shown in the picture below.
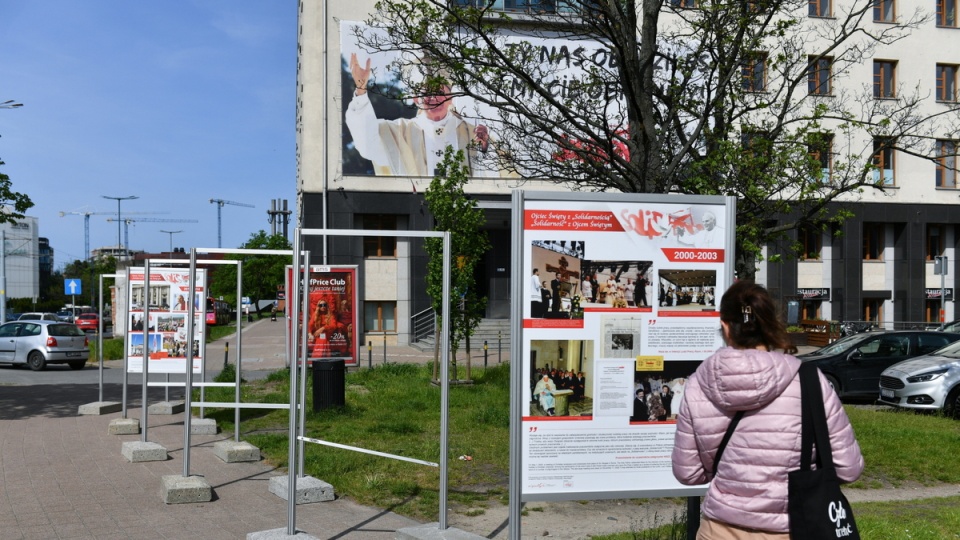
(752, 319)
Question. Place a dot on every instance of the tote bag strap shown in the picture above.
(726, 439)
(813, 420)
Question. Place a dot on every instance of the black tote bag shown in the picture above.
(816, 506)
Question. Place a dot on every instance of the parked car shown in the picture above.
(37, 316)
(65, 316)
(853, 364)
(37, 343)
(930, 382)
(88, 322)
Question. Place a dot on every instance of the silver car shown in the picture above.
(930, 382)
(37, 343)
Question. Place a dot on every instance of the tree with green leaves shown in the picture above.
(757, 100)
(261, 273)
(14, 204)
(453, 211)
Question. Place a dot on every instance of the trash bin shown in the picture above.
(329, 383)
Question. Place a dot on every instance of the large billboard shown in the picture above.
(331, 314)
(389, 137)
(157, 325)
(619, 309)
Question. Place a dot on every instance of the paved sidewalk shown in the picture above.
(63, 476)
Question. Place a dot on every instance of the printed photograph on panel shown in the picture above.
(554, 284)
(657, 392)
(687, 290)
(560, 373)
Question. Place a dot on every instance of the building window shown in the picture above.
(818, 76)
(811, 241)
(936, 235)
(820, 8)
(873, 310)
(947, 13)
(810, 310)
(686, 4)
(753, 71)
(379, 246)
(883, 162)
(379, 316)
(884, 79)
(884, 11)
(947, 82)
(820, 149)
(873, 241)
(946, 164)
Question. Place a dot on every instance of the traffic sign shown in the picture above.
(72, 286)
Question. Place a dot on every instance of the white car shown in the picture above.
(930, 382)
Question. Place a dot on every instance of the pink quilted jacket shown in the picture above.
(750, 489)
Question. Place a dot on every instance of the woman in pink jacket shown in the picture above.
(748, 496)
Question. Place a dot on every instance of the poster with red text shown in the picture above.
(619, 309)
(157, 329)
(331, 314)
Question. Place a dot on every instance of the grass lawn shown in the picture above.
(395, 409)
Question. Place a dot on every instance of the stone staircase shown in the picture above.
(489, 329)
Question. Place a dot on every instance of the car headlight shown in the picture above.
(928, 376)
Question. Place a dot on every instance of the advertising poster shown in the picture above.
(162, 338)
(331, 314)
(620, 309)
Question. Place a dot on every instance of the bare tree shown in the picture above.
(744, 98)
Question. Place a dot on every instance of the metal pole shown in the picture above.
(693, 517)
(499, 344)
(236, 391)
(226, 351)
(369, 355)
(484, 354)
(305, 306)
(100, 339)
(384, 347)
(299, 327)
(188, 369)
(445, 382)
(145, 371)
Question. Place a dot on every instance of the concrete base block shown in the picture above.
(232, 452)
(308, 489)
(166, 407)
(139, 451)
(279, 534)
(185, 489)
(432, 531)
(101, 407)
(203, 426)
(124, 426)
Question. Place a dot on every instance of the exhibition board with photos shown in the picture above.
(620, 309)
(157, 328)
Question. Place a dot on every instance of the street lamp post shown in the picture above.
(171, 233)
(118, 199)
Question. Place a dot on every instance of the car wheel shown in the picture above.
(833, 384)
(36, 361)
(951, 407)
(77, 365)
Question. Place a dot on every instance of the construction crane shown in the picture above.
(128, 221)
(86, 225)
(220, 203)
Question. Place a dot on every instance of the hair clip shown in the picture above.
(747, 311)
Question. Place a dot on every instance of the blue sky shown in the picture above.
(177, 102)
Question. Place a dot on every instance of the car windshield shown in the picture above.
(950, 351)
(839, 346)
(64, 330)
(952, 327)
